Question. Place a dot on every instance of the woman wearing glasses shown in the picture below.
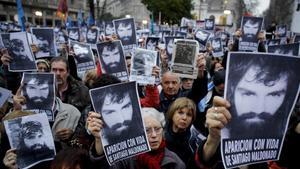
(160, 157)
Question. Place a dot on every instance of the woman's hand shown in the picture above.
(94, 124)
(5, 57)
(10, 159)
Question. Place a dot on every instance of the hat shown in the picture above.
(219, 77)
(43, 61)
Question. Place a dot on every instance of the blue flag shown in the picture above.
(79, 18)
(69, 22)
(91, 20)
(21, 15)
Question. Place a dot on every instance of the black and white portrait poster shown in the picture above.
(184, 58)
(163, 34)
(61, 37)
(262, 89)
(225, 36)
(217, 47)
(92, 35)
(287, 49)
(44, 39)
(3, 27)
(187, 22)
(281, 31)
(183, 29)
(169, 45)
(151, 43)
(32, 138)
(4, 95)
(202, 37)
(39, 92)
(125, 30)
(20, 51)
(109, 28)
(123, 134)
(200, 24)
(84, 57)
(142, 34)
(209, 24)
(251, 26)
(179, 33)
(112, 59)
(142, 64)
(74, 33)
(83, 33)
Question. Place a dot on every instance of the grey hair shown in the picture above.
(171, 73)
(152, 112)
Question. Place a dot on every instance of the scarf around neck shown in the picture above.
(152, 159)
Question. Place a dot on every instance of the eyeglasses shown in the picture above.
(150, 130)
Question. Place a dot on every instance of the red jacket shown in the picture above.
(152, 97)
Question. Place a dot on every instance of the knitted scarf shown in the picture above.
(152, 159)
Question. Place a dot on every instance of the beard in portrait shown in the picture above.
(33, 144)
(120, 114)
(38, 93)
(261, 95)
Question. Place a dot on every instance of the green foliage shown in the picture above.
(171, 10)
(280, 11)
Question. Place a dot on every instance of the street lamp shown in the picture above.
(144, 22)
(227, 12)
(127, 16)
(38, 13)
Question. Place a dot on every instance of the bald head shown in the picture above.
(170, 84)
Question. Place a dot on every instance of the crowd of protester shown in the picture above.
(187, 132)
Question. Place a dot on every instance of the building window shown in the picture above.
(48, 22)
(29, 19)
(2, 17)
(11, 17)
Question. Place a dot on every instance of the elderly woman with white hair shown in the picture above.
(158, 157)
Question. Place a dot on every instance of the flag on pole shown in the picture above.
(91, 19)
(152, 24)
(21, 17)
(62, 9)
(79, 18)
(69, 23)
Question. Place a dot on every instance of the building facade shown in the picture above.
(118, 8)
(132, 8)
(224, 11)
(39, 12)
